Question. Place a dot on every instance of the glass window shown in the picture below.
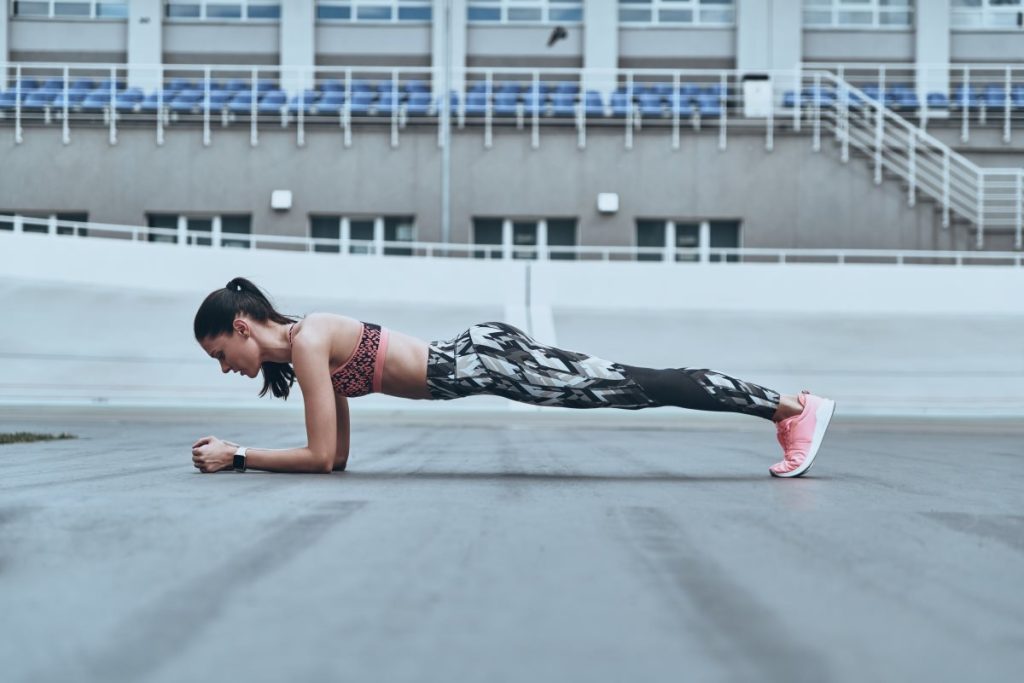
(374, 10)
(334, 12)
(116, 10)
(224, 10)
(724, 234)
(326, 228)
(361, 230)
(399, 229)
(235, 225)
(76, 217)
(487, 231)
(72, 9)
(857, 13)
(264, 12)
(166, 222)
(532, 11)
(373, 13)
(562, 233)
(184, 11)
(691, 12)
(650, 233)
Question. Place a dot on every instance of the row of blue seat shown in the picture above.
(903, 97)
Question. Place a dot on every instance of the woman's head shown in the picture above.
(225, 324)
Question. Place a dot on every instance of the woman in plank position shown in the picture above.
(240, 329)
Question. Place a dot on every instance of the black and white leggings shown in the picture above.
(500, 359)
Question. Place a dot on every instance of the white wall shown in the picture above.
(461, 282)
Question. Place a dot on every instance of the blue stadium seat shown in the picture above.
(903, 99)
(333, 85)
(995, 97)
(478, 88)
(82, 84)
(535, 103)
(186, 101)
(75, 98)
(789, 99)
(476, 104)
(387, 103)
(28, 84)
(272, 102)
(682, 105)
(177, 84)
(241, 103)
(331, 103)
(361, 102)
(237, 85)
(264, 85)
(563, 104)
(8, 100)
(96, 101)
(418, 104)
(505, 103)
(416, 86)
(650, 105)
(362, 86)
(937, 100)
(567, 88)
(385, 86)
(1017, 98)
(40, 99)
(129, 100)
(709, 105)
(620, 104)
(508, 87)
(306, 101)
(151, 101)
(594, 104)
(966, 98)
(53, 84)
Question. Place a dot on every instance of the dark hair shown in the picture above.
(217, 314)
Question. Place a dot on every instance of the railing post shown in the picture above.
(17, 103)
(965, 103)
(1018, 202)
(160, 106)
(346, 111)
(206, 107)
(489, 111)
(629, 110)
(945, 187)
(1006, 108)
(254, 135)
(113, 109)
(66, 127)
(723, 104)
(879, 122)
(394, 107)
(535, 122)
(670, 242)
(980, 217)
(912, 163)
(816, 145)
(346, 235)
(676, 102)
(378, 235)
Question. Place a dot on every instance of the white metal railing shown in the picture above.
(667, 102)
(51, 228)
(988, 197)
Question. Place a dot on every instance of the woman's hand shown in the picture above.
(210, 454)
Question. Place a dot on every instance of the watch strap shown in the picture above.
(239, 459)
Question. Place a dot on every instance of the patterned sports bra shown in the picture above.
(361, 374)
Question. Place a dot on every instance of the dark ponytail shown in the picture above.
(217, 315)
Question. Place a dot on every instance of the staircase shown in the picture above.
(983, 198)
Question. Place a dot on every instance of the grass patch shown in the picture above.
(27, 437)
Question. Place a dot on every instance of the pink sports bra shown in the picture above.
(361, 374)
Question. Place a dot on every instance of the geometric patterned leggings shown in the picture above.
(500, 359)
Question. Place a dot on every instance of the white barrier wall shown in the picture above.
(460, 282)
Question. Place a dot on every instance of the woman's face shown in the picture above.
(236, 352)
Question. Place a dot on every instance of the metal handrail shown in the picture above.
(581, 253)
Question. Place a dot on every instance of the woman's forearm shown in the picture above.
(287, 460)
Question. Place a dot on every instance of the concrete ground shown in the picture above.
(512, 546)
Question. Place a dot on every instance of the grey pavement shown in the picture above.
(498, 546)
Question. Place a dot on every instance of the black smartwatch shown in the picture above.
(239, 463)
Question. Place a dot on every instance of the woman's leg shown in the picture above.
(498, 358)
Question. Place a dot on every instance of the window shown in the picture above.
(71, 9)
(537, 11)
(361, 234)
(846, 14)
(40, 222)
(224, 10)
(675, 12)
(531, 235)
(374, 10)
(201, 231)
(997, 14)
(657, 233)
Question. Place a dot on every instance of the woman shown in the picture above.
(239, 328)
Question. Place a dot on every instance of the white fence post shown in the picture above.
(17, 102)
(879, 122)
(980, 217)
(945, 188)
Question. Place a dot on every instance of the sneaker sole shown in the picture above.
(823, 416)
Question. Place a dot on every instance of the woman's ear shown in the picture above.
(242, 327)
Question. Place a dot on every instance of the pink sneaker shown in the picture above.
(800, 435)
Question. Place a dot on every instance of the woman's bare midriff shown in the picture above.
(405, 363)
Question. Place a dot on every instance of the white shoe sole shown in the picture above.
(823, 416)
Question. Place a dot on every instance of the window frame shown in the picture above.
(51, 10)
(545, 8)
(394, 7)
(657, 6)
(243, 6)
(985, 12)
(874, 6)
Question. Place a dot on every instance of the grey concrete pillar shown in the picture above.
(298, 45)
(145, 43)
(454, 12)
(932, 47)
(769, 35)
(600, 45)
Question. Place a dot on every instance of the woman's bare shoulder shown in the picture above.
(326, 325)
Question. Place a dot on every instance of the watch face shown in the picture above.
(239, 462)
